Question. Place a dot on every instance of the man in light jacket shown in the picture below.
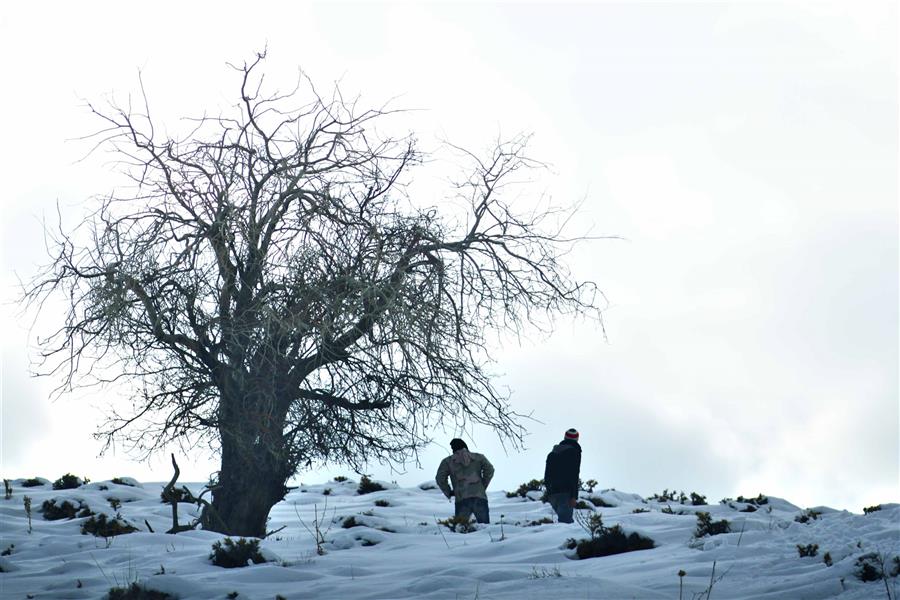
(469, 474)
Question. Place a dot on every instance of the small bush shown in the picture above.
(758, 501)
(587, 486)
(230, 554)
(665, 496)
(367, 486)
(667, 510)
(640, 510)
(826, 558)
(33, 482)
(535, 485)
(706, 526)
(350, 522)
(458, 524)
(698, 499)
(101, 526)
(807, 550)
(871, 509)
(749, 508)
(341, 479)
(382, 503)
(581, 504)
(137, 592)
(326, 492)
(611, 541)
(600, 502)
(64, 510)
(869, 567)
(69, 482)
(807, 515)
(121, 481)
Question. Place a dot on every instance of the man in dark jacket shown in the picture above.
(561, 476)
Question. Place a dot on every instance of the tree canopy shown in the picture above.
(268, 285)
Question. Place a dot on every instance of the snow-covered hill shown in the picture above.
(398, 550)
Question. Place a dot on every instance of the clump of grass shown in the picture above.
(870, 509)
(340, 479)
(230, 554)
(33, 482)
(367, 486)
(382, 503)
(706, 526)
(136, 592)
(544, 573)
(808, 550)
(121, 481)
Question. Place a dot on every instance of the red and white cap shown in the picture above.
(572, 434)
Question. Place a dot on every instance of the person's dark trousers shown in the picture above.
(562, 506)
(479, 506)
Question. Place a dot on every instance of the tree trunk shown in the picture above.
(243, 498)
(254, 470)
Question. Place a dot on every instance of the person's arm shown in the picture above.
(443, 473)
(547, 473)
(487, 472)
(576, 472)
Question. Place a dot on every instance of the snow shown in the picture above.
(400, 551)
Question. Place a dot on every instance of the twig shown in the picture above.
(440, 531)
(743, 524)
(711, 581)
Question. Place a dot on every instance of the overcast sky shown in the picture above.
(746, 154)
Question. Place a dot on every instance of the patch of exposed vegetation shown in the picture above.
(230, 554)
(69, 482)
(102, 526)
(54, 510)
(137, 592)
(706, 526)
(367, 486)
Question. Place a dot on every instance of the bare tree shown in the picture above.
(268, 287)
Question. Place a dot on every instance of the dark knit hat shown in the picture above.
(457, 444)
(572, 434)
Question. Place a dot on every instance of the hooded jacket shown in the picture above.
(562, 468)
(469, 474)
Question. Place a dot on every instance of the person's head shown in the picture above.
(571, 434)
(457, 444)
